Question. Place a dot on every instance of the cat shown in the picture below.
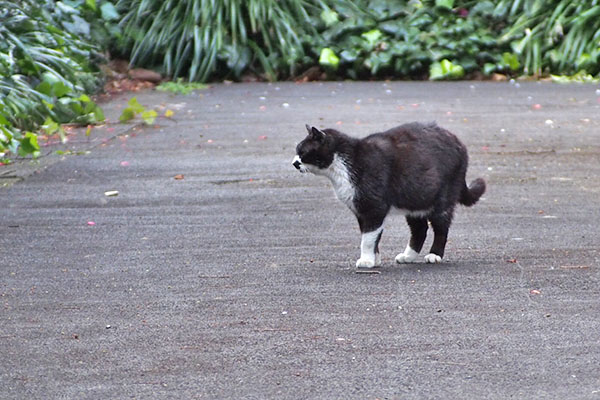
(417, 169)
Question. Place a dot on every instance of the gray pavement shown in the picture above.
(237, 281)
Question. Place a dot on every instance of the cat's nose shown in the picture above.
(296, 162)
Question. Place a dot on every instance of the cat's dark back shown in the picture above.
(411, 167)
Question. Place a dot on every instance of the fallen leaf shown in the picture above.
(178, 177)
(574, 267)
(367, 271)
(169, 113)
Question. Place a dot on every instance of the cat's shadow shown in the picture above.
(394, 269)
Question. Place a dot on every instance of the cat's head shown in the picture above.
(313, 154)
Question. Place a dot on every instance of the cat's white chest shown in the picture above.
(339, 175)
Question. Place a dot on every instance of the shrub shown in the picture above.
(558, 36)
(202, 39)
(414, 39)
(45, 69)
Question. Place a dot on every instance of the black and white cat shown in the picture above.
(414, 168)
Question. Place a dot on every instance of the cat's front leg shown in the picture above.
(408, 256)
(418, 233)
(369, 249)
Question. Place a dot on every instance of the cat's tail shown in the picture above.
(472, 193)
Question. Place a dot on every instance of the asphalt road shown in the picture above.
(238, 282)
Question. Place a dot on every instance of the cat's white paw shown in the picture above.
(366, 263)
(409, 256)
(378, 260)
(433, 258)
(405, 258)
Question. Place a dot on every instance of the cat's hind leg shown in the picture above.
(418, 233)
(441, 225)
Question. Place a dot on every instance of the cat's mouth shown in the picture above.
(297, 163)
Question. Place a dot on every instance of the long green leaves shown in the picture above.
(559, 36)
(202, 39)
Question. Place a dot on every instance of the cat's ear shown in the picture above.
(317, 134)
(308, 129)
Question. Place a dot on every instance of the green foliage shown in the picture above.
(29, 145)
(180, 87)
(134, 109)
(444, 3)
(408, 40)
(328, 58)
(198, 39)
(213, 39)
(558, 36)
(508, 63)
(580, 77)
(445, 69)
(45, 66)
(92, 21)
